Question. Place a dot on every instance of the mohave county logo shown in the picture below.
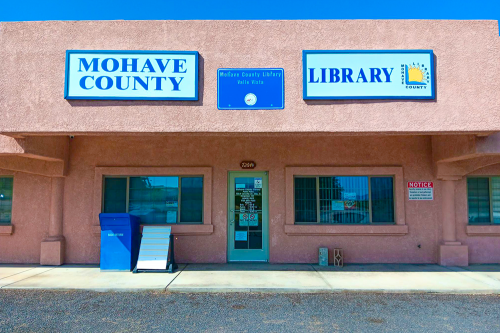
(414, 76)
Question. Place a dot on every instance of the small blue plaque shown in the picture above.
(250, 88)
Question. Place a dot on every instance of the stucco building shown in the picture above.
(336, 173)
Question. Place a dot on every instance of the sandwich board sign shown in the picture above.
(156, 251)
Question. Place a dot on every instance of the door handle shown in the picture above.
(232, 221)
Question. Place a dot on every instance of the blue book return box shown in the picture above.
(120, 240)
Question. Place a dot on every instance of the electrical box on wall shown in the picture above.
(323, 256)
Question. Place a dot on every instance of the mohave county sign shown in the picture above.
(378, 74)
(131, 75)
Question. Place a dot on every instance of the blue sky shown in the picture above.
(38, 10)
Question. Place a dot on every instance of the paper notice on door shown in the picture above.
(243, 220)
(257, 183)
(240, 236)
(253, 220)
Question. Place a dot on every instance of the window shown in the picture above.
(483, 197)
(344, 199)
(6, 187)
(156, 200)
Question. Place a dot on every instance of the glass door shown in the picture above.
(248, 216)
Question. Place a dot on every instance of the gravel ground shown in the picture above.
(82, 311)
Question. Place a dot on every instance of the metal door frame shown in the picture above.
(265, 214)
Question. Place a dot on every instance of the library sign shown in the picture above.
(401, 74)
(131, 75)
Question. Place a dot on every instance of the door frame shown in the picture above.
(265, 214)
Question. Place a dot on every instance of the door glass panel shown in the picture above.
(248, 213)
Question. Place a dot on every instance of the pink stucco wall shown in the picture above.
(273, 154)
(467, 71)
(30, 216)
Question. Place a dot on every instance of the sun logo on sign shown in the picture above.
(416, 74)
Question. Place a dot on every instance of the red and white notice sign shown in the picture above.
(420, 190)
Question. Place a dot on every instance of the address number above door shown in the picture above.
(131, 75)
(248, 165)
(393, 74)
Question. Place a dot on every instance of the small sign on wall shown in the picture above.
(248, 165)
(420, 190)
(250, 88)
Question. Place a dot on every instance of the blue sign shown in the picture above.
(250, 88)
(377, 74)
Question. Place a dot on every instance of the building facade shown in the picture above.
(388, 180)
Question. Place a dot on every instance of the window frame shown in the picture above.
(181, 229)
(376, 229)
(12, 201)
(490, 190)
(318, 199)
(179, 204)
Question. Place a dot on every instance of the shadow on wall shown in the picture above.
(105, 103)
(376, 101)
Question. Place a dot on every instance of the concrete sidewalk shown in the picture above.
(297, 278)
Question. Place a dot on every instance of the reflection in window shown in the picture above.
(191, 199)
(344, 199)
(248, 213)
(382, 189)
(483, 196)
(305, 199)
(155, 199)
(6, 191)
(115, 195)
